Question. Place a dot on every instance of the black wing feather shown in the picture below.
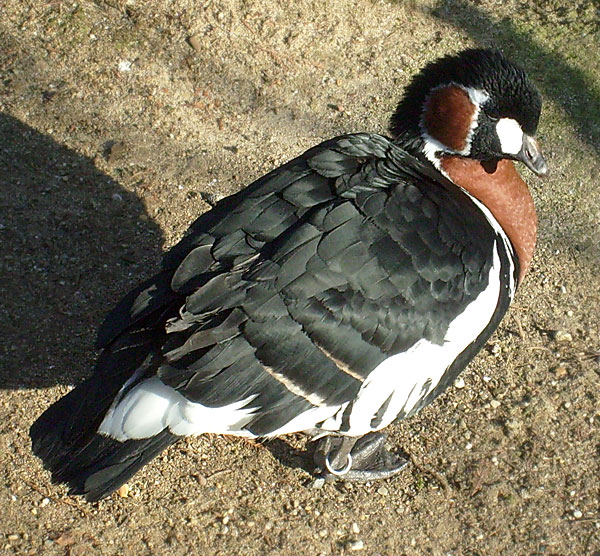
(311, 277)
(287, 294)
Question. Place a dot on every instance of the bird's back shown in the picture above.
(281, 308)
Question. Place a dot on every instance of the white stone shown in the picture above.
(459, 382)
(356, 545)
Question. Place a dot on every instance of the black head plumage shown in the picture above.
(511, 93)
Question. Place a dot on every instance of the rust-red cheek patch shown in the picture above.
(447, 116)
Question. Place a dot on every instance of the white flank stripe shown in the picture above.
(306, 421)
(152, 406)
(313, 398)
(405, 375)
(512, 285)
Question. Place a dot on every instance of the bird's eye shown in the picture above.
(493, 118)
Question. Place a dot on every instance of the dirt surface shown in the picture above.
(118, 120)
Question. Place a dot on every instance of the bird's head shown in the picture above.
(475, 104)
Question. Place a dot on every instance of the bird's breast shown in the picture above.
(502, 190)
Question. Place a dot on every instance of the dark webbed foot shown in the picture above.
(357, 459)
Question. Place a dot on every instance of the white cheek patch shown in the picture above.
(510, 134)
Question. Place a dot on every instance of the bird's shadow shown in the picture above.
(570, 88)
(73, 241)
(292, 456)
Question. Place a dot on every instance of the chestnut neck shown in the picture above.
(502, 190)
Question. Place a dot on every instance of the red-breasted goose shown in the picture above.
(340, 292)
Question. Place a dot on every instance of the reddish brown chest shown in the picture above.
(505, 194)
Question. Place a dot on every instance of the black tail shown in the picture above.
(91, 464)
(65, 436)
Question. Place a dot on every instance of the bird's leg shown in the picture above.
(338, 460)
(357, 459)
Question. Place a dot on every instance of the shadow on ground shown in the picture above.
(73, 240)
(569, 87)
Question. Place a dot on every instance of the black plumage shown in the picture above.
(512, 94)
(282, 301)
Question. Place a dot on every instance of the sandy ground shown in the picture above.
(118, 120)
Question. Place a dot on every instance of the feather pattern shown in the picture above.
(311, 278)
(339, 292)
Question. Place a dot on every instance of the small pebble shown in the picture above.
(495, 404)
(195, 42)
(383, 491)
(468, 446)
(211, 198)
(577, 514)
(560, 371)
(323, 533)
(44, 502)
(513, 425)
(116, 152)
(567, 405)
(318, 483)
(123, 491)
(459, 382)
(355, 528)
(356, 545)
(124, 65)
(563, 336)
(13, 537)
